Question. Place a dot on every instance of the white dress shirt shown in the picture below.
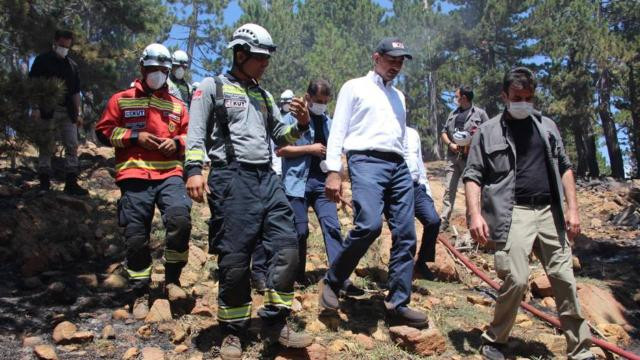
(369, 116)
(414, 160)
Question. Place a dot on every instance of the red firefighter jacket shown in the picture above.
(132, 111)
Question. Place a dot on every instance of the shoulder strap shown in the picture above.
(220, 114)
(268, 119)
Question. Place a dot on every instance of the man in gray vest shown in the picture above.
(456, 135)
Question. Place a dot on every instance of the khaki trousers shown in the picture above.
(47, 131)
(453, 173)
(534, 229)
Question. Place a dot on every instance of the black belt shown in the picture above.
(241, 165)
(536, 200)
(383, 155)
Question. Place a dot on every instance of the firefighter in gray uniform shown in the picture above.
(232, 121)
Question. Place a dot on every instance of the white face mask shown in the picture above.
(179, 73)
(285, 107)
(156, 79)
(520, 110)
(318, 109)
(61, 50)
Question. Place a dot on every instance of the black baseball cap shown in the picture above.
(393, 46)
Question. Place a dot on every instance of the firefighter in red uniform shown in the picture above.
(148, 128)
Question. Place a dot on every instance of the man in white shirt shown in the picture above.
(369, 125)
(424, 208)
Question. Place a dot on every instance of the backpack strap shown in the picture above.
(220, 114)
(268, 120)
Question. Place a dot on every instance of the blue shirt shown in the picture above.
(295, 170)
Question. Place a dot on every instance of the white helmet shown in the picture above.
(462, 138)
(179, 57)
(286, 96)
(156, 55)
(254, 37)
(195, 85)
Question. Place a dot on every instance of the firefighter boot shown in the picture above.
(71, 186)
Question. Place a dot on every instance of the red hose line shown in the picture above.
(550, 319)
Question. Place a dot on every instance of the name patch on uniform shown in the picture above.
(136, 125)
(172, 116)
(133, 113)
(235, 103)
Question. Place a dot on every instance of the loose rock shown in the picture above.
(31, 341)
(426, 343)
(45, 352)
(152, 353)
(63, 332)
(130, 354)
(108, 332)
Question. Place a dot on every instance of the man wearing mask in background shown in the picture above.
(370, 126)
(516, 179)
(148, 128)
(65, 117)
(456, 135)
(285, 101)
(178, 84)
(304, 178)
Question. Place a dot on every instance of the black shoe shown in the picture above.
(328, 297)
(172, 272)
(422, 271)
(404, 315)
(45, 183)
(492, 351)
(444, 225)
(348, 289)
(259, 285)
(71, 186)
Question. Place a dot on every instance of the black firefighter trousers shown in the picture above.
(135, 214)
(248, 203)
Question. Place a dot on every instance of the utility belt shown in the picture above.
(241, 165)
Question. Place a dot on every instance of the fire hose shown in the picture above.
(550, 319)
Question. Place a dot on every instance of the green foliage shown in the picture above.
(109, 38)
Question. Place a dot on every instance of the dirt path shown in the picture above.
(59, 256)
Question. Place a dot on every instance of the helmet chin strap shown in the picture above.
(240, 67)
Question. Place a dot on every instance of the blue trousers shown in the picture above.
(380, 184)
(327, 214)
(427, 215)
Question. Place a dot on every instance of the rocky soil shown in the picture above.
(62, 295)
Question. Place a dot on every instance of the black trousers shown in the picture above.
(135, 214)
(248, 204)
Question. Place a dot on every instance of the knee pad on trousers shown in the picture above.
(283, 268)
(234, 277)
(178, 224)
(136, 237)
